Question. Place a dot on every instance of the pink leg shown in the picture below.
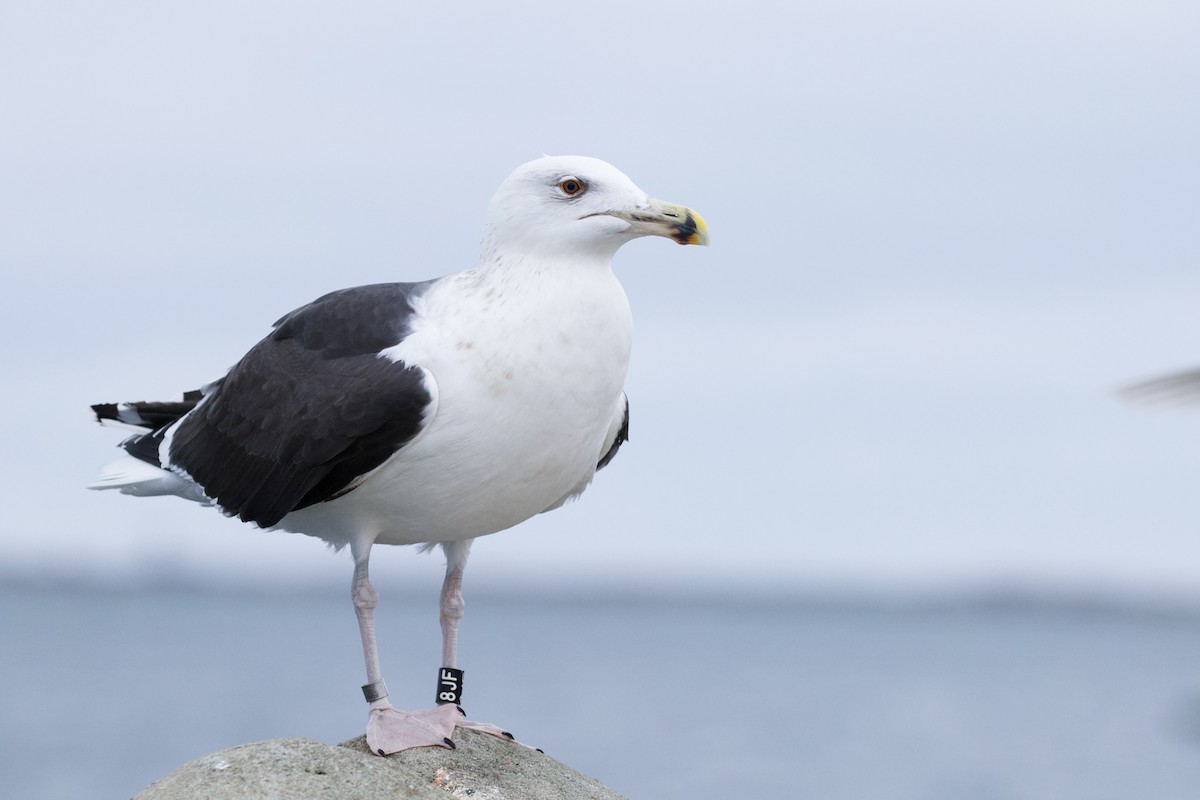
(451, 605)
(365, 601)
(451, 613)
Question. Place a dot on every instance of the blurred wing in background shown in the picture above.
(1179, 389)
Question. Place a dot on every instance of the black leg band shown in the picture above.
(450, 684)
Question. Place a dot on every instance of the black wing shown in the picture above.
(309, 409)
(622, 438)
(149, 415)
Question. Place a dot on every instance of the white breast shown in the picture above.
(530, 365)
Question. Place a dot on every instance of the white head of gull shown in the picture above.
(425, 413)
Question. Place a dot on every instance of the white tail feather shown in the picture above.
(136, 477)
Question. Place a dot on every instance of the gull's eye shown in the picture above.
(571, 186)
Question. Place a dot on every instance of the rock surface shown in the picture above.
(481, 768)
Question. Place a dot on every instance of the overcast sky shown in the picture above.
(943, 234)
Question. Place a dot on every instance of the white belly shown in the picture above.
(529, 377)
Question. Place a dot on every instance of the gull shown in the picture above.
(426, 413)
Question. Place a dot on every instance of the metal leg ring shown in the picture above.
(375, 691)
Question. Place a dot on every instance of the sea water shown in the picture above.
(716, 696)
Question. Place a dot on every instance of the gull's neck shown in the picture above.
(521, 248)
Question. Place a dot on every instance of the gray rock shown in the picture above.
(481, 768)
